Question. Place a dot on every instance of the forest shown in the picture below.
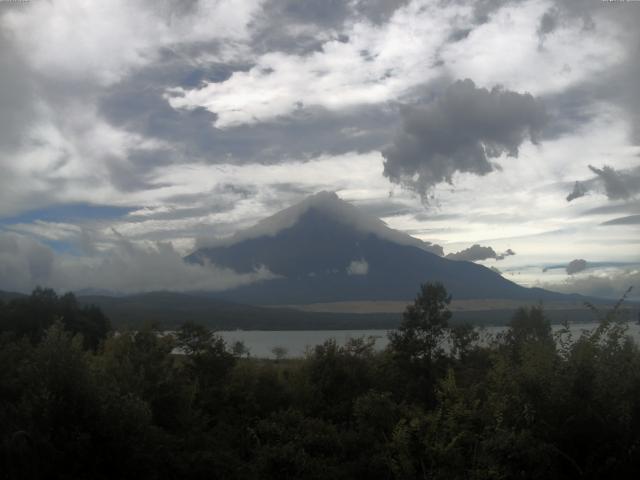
(79, 400)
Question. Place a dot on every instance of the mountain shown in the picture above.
(8, 296)
(327, 250)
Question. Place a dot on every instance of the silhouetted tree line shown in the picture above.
(80, 402)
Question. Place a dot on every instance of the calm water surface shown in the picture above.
(296, 342)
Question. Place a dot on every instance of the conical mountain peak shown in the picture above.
(333, 208)
(325, 249)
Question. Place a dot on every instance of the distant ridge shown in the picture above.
(168, 310)
(8, 296)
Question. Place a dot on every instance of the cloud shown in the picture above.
(578, 191)
(615, 184)
(618, 185)
(548, 24)
(17, 95)
(120, 36)
(56, 143)
(358, 267)
(576, 266)
(125, 267)
(137, 104)
(507, 253)
(366, 64)
(604, 285)
(630, 207)
(569, 55)
(303, 87)
(477, 252)
(628, 220)
(461, 131)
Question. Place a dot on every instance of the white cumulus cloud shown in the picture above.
(358, 267)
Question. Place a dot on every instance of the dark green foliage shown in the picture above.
(437, 404)
(417, 346)
(336, 375)
(32, 316)
(422, 331)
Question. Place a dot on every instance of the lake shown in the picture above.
(296, 342)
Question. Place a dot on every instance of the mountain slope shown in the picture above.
(325, 250)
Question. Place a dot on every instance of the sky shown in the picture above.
(507, 132)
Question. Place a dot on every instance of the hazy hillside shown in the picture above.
(169, 310)
(173, 309)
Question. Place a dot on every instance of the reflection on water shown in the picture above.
(261, 343)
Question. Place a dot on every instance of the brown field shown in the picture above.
(398, 306)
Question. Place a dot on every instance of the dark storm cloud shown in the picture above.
(618, 184)
(138, 104)
(325, 13)
(548, 21)
(477, 252)
(133, 174)
(569, 10)
(302, 26)
(379, 11)
(615, 184)
(569, 110)
(548, 24)
(576, 266)
(461, 131)
(311, 132)
(483, 9)
(274, 28)
(579, 190)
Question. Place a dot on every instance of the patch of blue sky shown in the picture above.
(69, 213)
(62, 246)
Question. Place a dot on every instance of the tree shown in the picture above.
(463, 338)
(529, 325)
(194, 339)
(415, 349)
(279, 352)
(424, 325)
(239, 349)
(207, 361)
(31, 316)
